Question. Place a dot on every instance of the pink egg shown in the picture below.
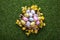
(37, 22)
(25, 19)
(35, 18)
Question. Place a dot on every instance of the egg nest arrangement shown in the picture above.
(31, 19)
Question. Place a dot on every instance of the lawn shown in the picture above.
(10, 10)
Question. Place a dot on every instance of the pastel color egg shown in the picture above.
(35, 18)
(31, 19)
(30, 14)
(28, 24)
(32, 11)
(38, 22)
(32, 23)
(22, 22)
(26, 15)
(25, 19)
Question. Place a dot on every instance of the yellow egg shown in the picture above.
(39, 18)
(35, 9)
(28, 8)
(41, 13)
(26, 15)
(32, 7)
(36, 6)
(44, 24)
(22, 22)
(31, 30)
(42, 18)
(23, 28)
(40, 26)
(20, 25)
(36, 31)
(27, 34)
(23, 11)
(32, 23)
(17, 22)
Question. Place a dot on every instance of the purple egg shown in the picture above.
(37, 22)
(25, 19)
(35, 18)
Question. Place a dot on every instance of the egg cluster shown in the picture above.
(31, 19)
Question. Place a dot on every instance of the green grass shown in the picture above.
(10, 10)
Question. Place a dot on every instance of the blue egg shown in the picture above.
(31, 19)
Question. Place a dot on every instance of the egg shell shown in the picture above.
(25, 18)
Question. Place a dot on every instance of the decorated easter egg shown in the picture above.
(25, 18)
(22, 22)
(26, 15)
(27, 24)
(37, 22)
(32, 23)
(31, 19)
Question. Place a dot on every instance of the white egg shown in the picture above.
(32, 11)
(28, 11)
(30, 14)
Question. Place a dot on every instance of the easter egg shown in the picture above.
(36, 31)
(32, 11)
(26, 15)
(32, 23)
(30, 14)
(17, 22)
(41, 13)
(23, 28)
(36, 15)
(31, 19)
(28, 11)
(37, 22)
(23, 11)
(35, 18)
(42, 18)
(28, 24)
(27, 34)
(22, 22)
(25, 19)
(39, 18)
